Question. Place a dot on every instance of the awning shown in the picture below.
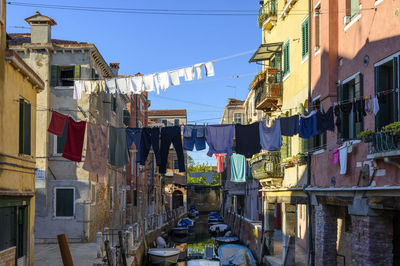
(266, 52)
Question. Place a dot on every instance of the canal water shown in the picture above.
(196, 242)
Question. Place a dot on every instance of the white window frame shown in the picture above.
(55, 153)
(55, 203)
(241, 118)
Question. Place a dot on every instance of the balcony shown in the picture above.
(267, 15)
(266, 167)
(268, 94)
(384, 146)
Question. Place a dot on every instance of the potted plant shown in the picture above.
(392, 129)
(301, 158)
(272, 70)
(288, 162)
(260, 77)
(367, 135)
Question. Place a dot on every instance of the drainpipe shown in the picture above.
(310, 222)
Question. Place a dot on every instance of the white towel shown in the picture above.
(122, 85)
(174, 76)
(149, 83)
(189, 73)
(137, 84)
(111, 85)
(79, 87)
(209, 69)
(198, 70)
(163, 80)
(375, 105)
(181, 72)
(155, 76)
(343, 158)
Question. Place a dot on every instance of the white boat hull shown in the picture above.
(164, 257)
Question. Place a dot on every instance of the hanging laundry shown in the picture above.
(111, 85)
(57, 123)
(209, 179)
(289, 125)
(96, 149)
(325, 121)
(343, 158)
(349, 147)
(150, 139)
(148, 81)
(220, 139)
(209, 69)
(174, 76)
(382, 98)
(308, 125)
(198, 70)
(270, 137)
(157, 83)
(163, 80)
(368, 105)
(189, 73)
(335, 156)
(220, 162)
(238, 168)
(123, 86)
(171, 135)
(375, 105)
(181, 72)
(136, 84)
(118, 155)
(360, 110)
(79, 87)
(247, 139)
(74, 140)
(194, 136)
(134, 135)
(346, 108)
(101, 86)
(338, 122)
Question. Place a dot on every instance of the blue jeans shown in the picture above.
(194, 136)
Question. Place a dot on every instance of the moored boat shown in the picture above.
(164, 256)
(234, 254)
(218, 229)
(180, 230)
(203, 262)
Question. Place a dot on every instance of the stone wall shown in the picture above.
(204, 199)
(7, 257)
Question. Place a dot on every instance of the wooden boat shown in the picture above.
(180, 230)
(234, 254)
(164, 256)
(203, 262)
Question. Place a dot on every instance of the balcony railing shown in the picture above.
(267, 165)
(384, 145)
(268, 94)
(267, 12)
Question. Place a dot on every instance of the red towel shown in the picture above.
(74, 140)
(57, 123)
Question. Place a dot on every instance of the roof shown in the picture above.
(21, 38)
(232, 101)
(176, 112)
(39, 18)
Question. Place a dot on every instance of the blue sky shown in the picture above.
(155, 43)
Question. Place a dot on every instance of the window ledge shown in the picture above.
(287, 75)
(304, 59)
(354, 20)
(64, 87)
(377, 2)
(63, 217)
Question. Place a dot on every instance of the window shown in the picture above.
(165, 122)
(286, 148)
(237, 118)
(64, 75)
(350, 89)
(126, 117)
(111, 197)
(65, 199)
(176, 122)
(135, 197)
(59, 142)
(8, 236)
(176, 165)
(387, 77)
(123, 200)
(286, 58)
(317, 23)
(24, 127)
(318, 141)
(113, 103)
(352, 9)
(304, 38)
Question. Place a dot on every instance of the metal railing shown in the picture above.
(268, 9)
(272, 88)
(267, 165)
(383, 142)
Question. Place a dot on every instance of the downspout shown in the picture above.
(310, 222)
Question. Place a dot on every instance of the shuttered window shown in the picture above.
(54, 76)
(113, 103)
(286, 58)
(352, 9)
(64, 202)
(24, 127)
(60, 141)
(305, 38)
(64, 75)
(317, 22)
(286, 148)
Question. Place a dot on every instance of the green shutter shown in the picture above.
(358, 95)
(303, 143)
(396, 86)
(54, 76)
(304, 38)
(286, 59)
(21, 126)
(77, 72)
(339, 94)
(27, 128)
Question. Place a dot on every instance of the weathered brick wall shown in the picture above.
(325, 235)
(372, 240)
(7, 257)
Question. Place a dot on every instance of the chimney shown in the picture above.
(114, 68)
(40, 28)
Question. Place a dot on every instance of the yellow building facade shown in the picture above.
(18, 88)
(282, 89)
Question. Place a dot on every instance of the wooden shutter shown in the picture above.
(358, 91)
(77, 72)
(378, 115)
(21, 126)
(396, 99)
(27, 128)
(54, 76)
(339, 95)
